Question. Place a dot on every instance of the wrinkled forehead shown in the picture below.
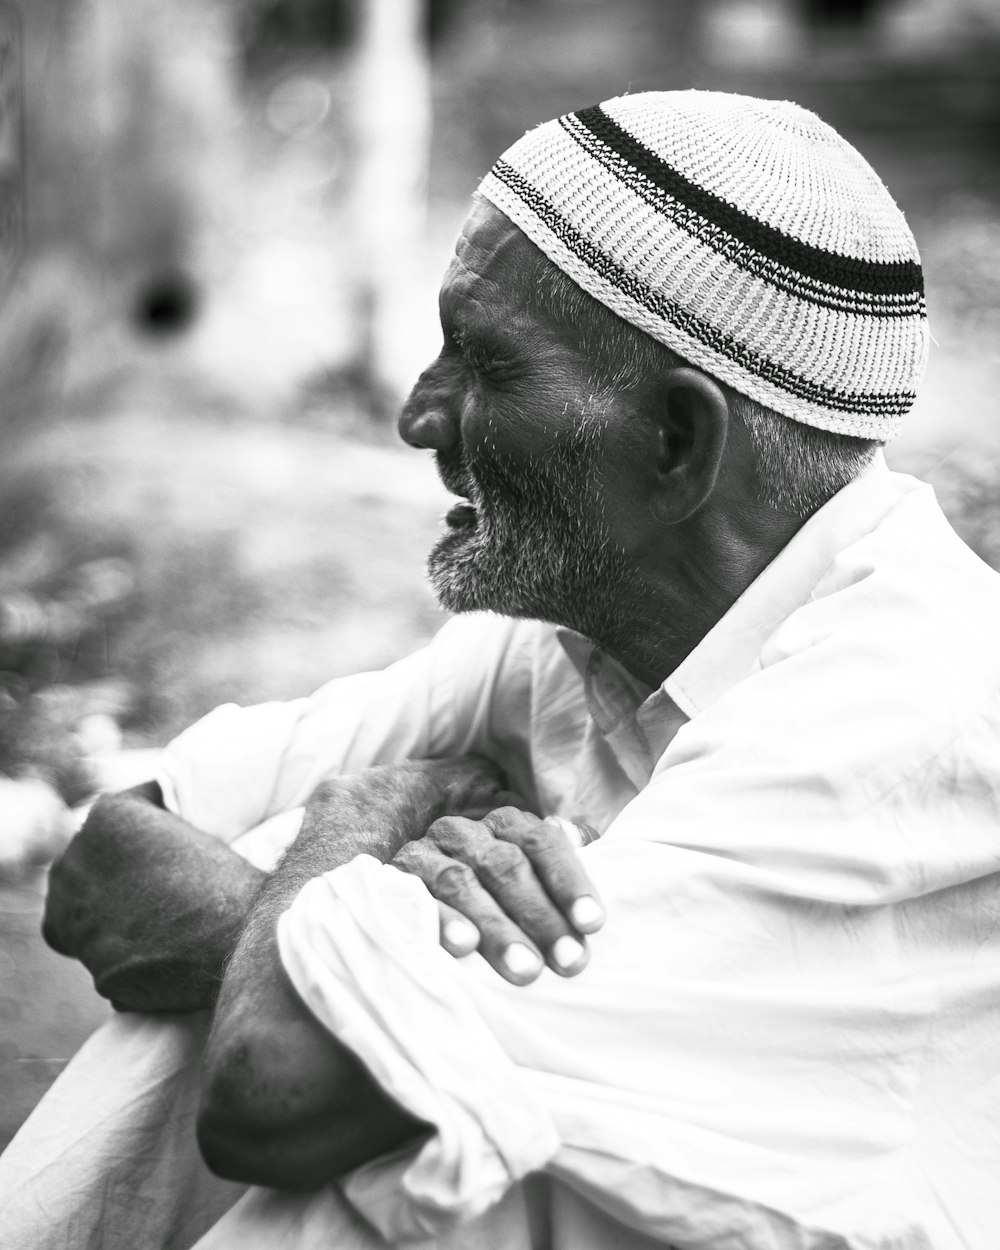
(494, 260)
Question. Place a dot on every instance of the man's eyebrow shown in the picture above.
(482, 341)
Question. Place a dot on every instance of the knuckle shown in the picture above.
(453, 882)
(505, 817)
(446, 831)
(505, 822)
(541, 841)
(502, 863)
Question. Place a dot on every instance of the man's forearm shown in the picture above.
(153, 907)
(285, 1104)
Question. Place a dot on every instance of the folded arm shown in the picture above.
(150, 905)
(285, 1102)
(153, 907)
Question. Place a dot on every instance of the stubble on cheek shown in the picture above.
(539, 549)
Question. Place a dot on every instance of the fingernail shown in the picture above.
(520, 959)
(462, 936)
(566, 951)
(587, 913)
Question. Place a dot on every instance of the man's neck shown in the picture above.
(682, 600)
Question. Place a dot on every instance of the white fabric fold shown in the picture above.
(360, 945)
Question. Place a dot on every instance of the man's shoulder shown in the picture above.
(900, 630)
(912, 582)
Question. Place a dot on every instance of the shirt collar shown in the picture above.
(611, 691)
(730, 649)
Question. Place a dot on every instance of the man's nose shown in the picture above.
(426, 421)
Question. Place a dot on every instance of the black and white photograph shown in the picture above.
(499, 617)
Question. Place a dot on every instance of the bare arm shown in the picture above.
(284, 1104)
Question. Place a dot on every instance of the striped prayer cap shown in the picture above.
(744, 234)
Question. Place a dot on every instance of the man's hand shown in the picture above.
(511, 884)
(375, 812)
(151, 906)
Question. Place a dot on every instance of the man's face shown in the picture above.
(523, 436)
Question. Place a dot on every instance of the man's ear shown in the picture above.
(693, 420)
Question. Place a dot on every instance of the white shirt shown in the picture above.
(790, 1027)
(789, 1031)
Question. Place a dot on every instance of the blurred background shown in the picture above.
(222, 225)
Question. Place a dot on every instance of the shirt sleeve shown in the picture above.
(800, 943)
(423, 1041)
(240, 766)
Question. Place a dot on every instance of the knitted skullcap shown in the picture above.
(744, 234)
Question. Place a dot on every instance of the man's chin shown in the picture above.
(454, 577)
(462, 584)
(465, 579)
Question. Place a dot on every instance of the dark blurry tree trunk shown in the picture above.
(11, 142)
(29, 338)
(391, 129)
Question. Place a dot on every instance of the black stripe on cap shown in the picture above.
(855, 403)
(737, 252)
(849, 273)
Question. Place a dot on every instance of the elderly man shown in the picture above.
(677, 329)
